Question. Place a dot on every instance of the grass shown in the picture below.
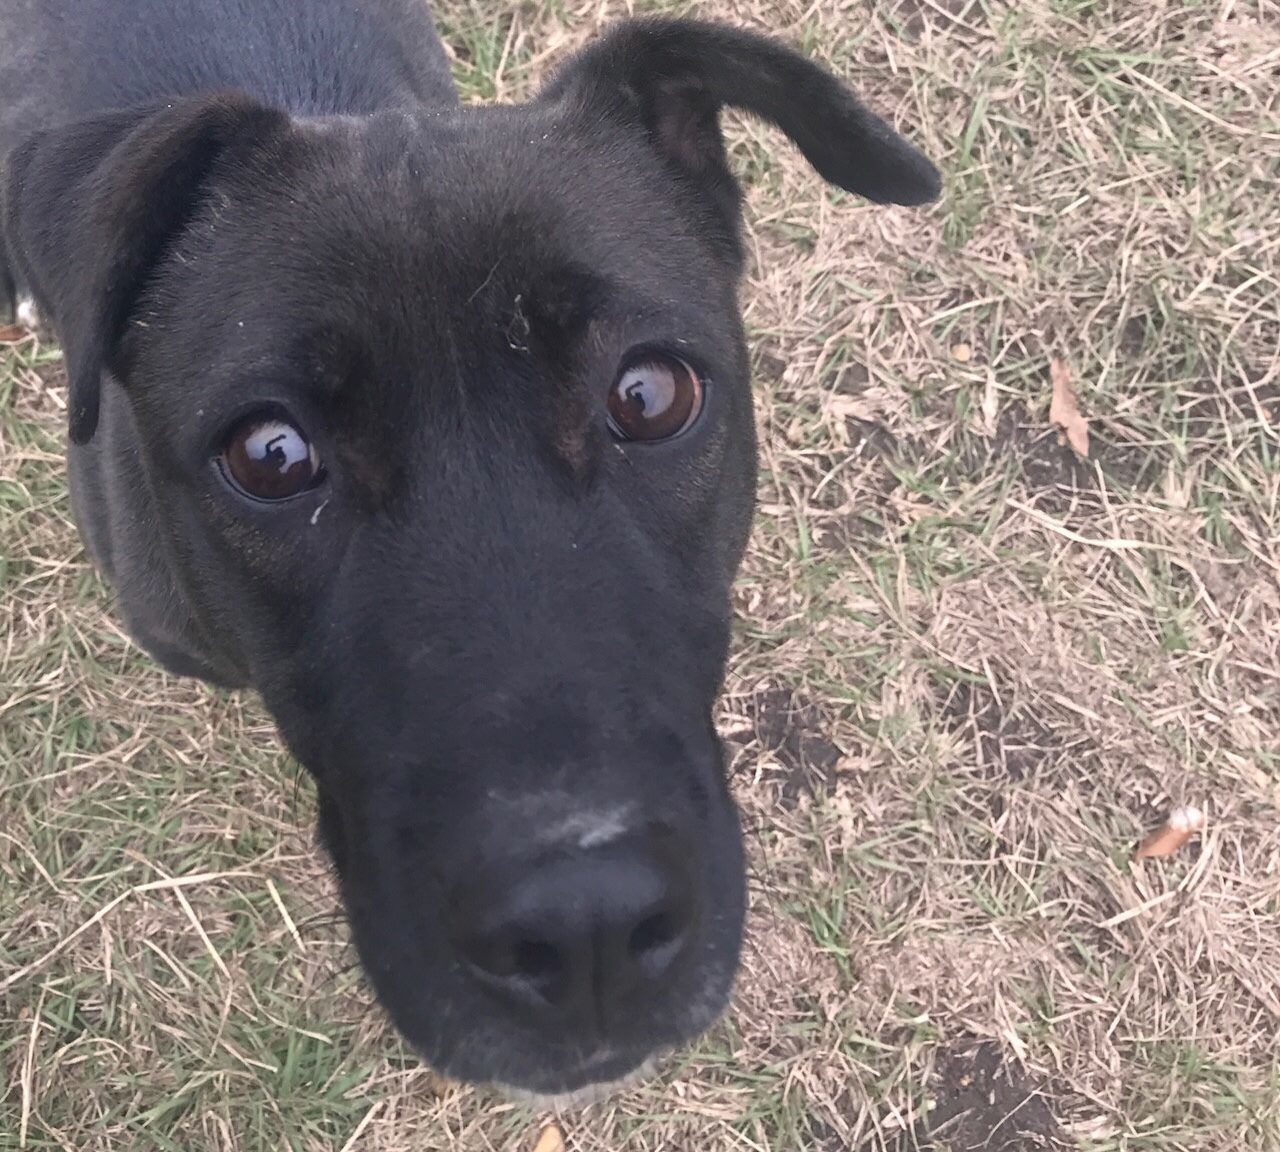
(970, 670)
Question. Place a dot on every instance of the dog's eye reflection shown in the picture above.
(268, 458)
(655, 397)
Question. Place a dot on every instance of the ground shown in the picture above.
(971, 668)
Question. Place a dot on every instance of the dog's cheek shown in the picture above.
(707, 507)
(264, 576)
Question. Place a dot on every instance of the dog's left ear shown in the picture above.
(90, 207)
(670, 78)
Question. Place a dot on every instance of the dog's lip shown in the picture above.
(599, 1075)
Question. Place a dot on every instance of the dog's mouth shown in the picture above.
(599, 1077)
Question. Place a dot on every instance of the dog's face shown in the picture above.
(448, 422)
(486, 597)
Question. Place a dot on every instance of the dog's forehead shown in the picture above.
(462, 223)
(432, 221)
(457, 185)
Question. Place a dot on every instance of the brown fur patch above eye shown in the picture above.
(567, 406)
(555, 316)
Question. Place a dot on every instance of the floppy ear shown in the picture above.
(672, 77)
(90, 207)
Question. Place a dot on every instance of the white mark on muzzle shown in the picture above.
(590, 829)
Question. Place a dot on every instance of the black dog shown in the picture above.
(433, 425)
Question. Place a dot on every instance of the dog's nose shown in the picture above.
(579, 935)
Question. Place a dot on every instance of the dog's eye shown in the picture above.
(268, 458)
(656, 397)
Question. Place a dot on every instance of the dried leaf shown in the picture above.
(550, 1139)
(1183, 823)
(12, 333)
(1063, 409)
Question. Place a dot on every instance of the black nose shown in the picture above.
(583, 934)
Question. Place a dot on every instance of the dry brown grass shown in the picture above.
(971, 669)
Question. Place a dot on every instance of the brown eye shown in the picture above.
(268, 458)
(656, 397)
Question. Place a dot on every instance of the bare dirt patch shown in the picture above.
(788, 744)
(982, 1104)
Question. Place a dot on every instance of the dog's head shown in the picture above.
(446, 420)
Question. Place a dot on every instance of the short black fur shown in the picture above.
(492, 631)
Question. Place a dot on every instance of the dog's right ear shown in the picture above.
(670, 78)
(90, 207)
